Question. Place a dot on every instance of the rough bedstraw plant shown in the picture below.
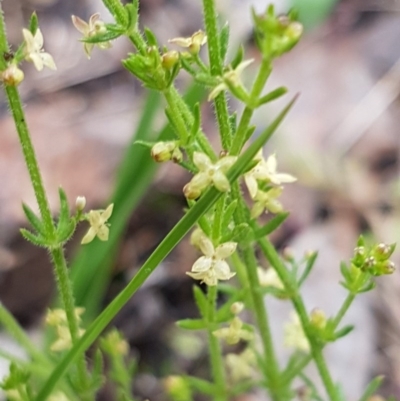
(227, 230)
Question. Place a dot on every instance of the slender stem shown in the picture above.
(217, 366)
(216, 68)
(218, 214)
(259, 83)
(343, 309)
(316, 350)
(176, 116)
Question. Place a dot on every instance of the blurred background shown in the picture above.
(341, 141)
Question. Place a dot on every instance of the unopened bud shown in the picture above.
(237, 307)
(162, 151)
(177, 388)
(387, 267)
(191, 191)
(288, 254)
(12, 75)
(80, 203)
(318, 318)
(169, 59)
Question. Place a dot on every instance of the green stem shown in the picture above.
(218, 214)
(258, 85)
(316, 350)
(217, 365)
(216, 69)
(176, 116)
(343, 309)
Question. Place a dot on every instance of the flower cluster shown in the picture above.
(209, 173)
(375, 259)
(212, 267)
(58, 319)
(165, 151)
(265, 172)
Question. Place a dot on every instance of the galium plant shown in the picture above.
(230, 188)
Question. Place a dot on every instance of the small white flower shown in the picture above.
(294, 336)
(234, 333)
(98, 225)
(94, 27)
(34, 50)
(212, 267)
(193, 43)
(209, 173)
(265, 171)
(269, 278)
(267, 200)
(231, 77)
(241, 366)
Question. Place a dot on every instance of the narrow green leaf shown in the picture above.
(196, 123)
(224, 41)
(132, 11)
(37, 240)
(307, 270)
(65, 232)
(200, 385)
(238, 57)
(160, 253)
(151, 38)
(272, 225)
(373, 385)
(227, 217)
(33, 219)
(343, 332)
(192, 324)
(33, 23)
(345, 271)
(201, 300)
(102, 37)
(269, 97)
(64, 207)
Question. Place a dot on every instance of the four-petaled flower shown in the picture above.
(209, 173)
(98, 225)
(234, 333)
(265, 170)
(94, 27)
(294, 336)
(34, 50)
(193, 43)
(268, 201)
(212, 267)
(269, 278)
(230, 79)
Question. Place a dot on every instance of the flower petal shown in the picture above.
(202, 161)
(271, 164)
(251, 184)
(81, 25)
(103, 233)
(202, 264)
(225, 163)
(48, 61)
(225, 250)
(107, 213)
(89, 236)
(206, 246)
(222, 271)
(220, 181)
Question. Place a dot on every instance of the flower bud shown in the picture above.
(80, 203)
(237, 307)
(318, 318)
(12, 75)
(177, 388)
(163, 151)
(170, 59)
(191, 191)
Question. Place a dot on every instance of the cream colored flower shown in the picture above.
(193, 43)
(34, 50)
(269, 278)
(294, 336)
(231, 77)
(212, 267)
(234, 333)
(241, 366)
(209, 173)
(267, 200)
(94, 27)
(12, 75)
(265, 171)
(98, 225)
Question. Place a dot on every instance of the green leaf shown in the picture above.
(228, 213)
(238, 57)
(203, 205)
(146, 144)
(343, 332)
(275, 94)
(33, 23)
(64, 208)
(200, 385)
(309, 265)
(224, 41)
(271, 226)
(37, 240)
(151, 38)
(132, 10)
(373, 385)
(196, 123)
(241, 232)
(102, 37)
(65, 232)
(192, 324)
(201, 300)
(33, 219)
(345, 271)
